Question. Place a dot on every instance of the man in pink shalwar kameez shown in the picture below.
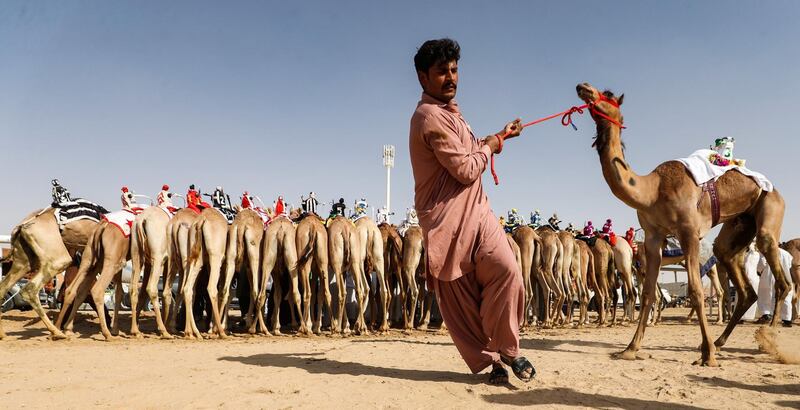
(471, 266)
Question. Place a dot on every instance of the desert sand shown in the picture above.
(422, 370)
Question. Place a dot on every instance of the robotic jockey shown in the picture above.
(247, 200)
(164, 198)
(60, 194)
(127, 198)
(536, 219)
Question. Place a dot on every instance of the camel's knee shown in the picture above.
(30, 294)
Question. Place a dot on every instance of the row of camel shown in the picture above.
(181, 247)
(667, 201)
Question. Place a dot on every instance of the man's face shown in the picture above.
(441, 80)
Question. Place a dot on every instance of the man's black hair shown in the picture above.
(433, 52)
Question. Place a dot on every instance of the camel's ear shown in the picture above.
(619, 100)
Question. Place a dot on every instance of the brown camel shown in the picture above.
(414, 273)
(793, 247)
(107, 251)
(278, 254)
(668, 201)
(584, 260)
(526, 238)
(149, 252)
(38, 245)
(207, 240)
(243, 252)
(623, 261)
(548, 268)
(371, 253)
(178, 249)
(344, 252)
(312, 266)
(604, 277)
(565, 276)
(392, 267)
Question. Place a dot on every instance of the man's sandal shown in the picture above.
(520, 366)
(498, 376)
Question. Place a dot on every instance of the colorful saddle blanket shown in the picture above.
(123, 219)
(67, 212)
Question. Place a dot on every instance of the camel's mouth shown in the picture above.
(586, 92)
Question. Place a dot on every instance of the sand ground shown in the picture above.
(422, 370)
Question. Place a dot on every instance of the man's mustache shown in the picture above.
(448, 84)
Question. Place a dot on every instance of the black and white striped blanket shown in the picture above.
(67, 212)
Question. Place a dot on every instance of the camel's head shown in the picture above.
(604, 107)
(605, 102)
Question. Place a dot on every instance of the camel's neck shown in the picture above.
(638, 192)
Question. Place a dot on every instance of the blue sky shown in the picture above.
(289, 97)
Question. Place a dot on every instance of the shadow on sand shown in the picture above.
(789, 389)
(565, 397)
(313, 363)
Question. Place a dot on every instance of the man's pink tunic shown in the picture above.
(470, 264)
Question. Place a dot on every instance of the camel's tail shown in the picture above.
(302, 258)
(138, 246)
(347, 236)
(197, 246)
(234, 245)
(537, 255)
(396, 245)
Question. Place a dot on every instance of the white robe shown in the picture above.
(751, 259)
(766, 286)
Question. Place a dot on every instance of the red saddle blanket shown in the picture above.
(123, 219)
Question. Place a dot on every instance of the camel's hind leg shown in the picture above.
(290, 258)
(730, 248)
(112, 264)
(321, 262)
(270, 257)
(53, 260)
(215, 265)
(190, 330)
(717, 287)
(152, 292)
(412, 292)
(253, 259)
(769, 218)
(19, 269)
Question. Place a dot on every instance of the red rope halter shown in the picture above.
(566, 119)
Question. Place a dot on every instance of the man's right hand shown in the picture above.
(512, 129)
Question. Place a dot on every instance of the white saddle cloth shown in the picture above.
(703, 170)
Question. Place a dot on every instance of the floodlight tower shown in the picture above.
(388, 162)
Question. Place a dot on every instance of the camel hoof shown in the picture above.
(138, 335)
(111, 338)
(720, 342)
(628, 355)
(422, 326)
(53, 337)
(709, 362)
(167, 336)
(277, 332)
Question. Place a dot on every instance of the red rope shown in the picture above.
(566, 119)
